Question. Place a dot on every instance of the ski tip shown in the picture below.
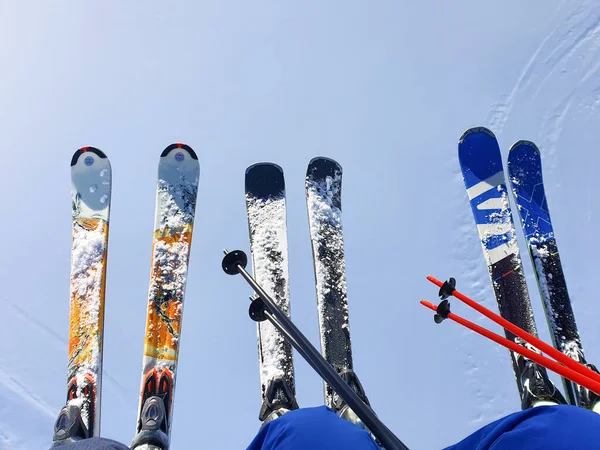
(322, 167)
(523, 158)
(179, 146)
(87, 149)
(478, 150)
(265, 180)
(524, 143)
(264, 167)
(475, 130)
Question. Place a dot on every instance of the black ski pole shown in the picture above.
(235, 262)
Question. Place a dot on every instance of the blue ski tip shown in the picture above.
(475, 130)
(479, 156)
(523, 143)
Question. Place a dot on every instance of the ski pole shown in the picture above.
(548, 363)
(531, 339)
(235, 262)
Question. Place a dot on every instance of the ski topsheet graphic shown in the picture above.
(481, 165)
(324, 202)
(177, 188)
(265, 206)
(91, 190)
(526, 180)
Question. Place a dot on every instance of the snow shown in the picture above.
(502, 225)
(170, 267)
(87, 285)
(539, 253)
(176, 192)
(88, 249)
(267, 220)
(326, 234)
(173, 212)
(323, 215)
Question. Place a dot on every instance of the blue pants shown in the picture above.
(545, 428)
(560, 427)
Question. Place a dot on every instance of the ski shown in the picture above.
(324, 202)
(481, 164)
(91, 191)
(266, 211)
(176, 192)
(527, 184)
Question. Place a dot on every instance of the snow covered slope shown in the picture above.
(384, 88)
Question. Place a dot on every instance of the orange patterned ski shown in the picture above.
(178, 175)
(91, 190)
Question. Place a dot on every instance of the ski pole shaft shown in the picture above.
(536, 342)
(324, 369)
(548, 363)
(314, 358)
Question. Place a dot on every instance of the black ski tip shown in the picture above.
(83, 150)
(265, 180)
(473, 131)
(264, 166)
(321, 167)
(232, 260)
(522, 143)
(180, 146)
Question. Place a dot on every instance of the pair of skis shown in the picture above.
(481, 163)
(177, 187)
(266, 210)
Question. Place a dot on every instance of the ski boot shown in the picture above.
(70, 425)
(344, 411)
(279, 399)
(340, 407)
(589, 399)
(537, 389)
(153, 425)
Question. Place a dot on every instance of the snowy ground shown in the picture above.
(385, 88)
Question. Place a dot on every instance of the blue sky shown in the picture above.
(385, 88)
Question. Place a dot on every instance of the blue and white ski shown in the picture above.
(481, 165)
(526, 180)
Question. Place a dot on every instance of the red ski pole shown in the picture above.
(536, 342)
(573, 375)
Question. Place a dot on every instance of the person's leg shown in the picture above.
(560, 427)
(312, 428)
